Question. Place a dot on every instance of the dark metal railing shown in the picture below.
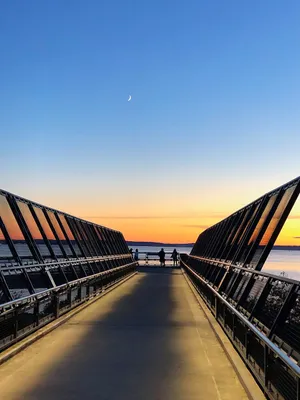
(33, 232)
(21, 281)
(259, 312)
(21, 317)
(246, 237)
(50, 262)
(147, 258)
(271, 362)
(41, 248)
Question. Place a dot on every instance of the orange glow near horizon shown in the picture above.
(172, 231)
(186, 229)
(290, 233)
(158, 229)
(177, 212)
(179, 221)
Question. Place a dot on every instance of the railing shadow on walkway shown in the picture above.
(128, 351)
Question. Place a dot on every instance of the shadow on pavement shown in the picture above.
(125, 355)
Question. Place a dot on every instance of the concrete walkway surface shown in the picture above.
(146, 340)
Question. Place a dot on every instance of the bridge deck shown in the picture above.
(147, 339)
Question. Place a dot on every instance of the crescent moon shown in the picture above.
(129, 98)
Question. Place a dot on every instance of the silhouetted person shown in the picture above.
(174, 257)
(162, 258)
(136, 255)
(131, 252)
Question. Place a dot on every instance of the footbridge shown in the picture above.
(79, 318)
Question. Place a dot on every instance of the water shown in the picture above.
(156, 249)
(287, 261)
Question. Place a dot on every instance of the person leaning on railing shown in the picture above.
(174, 257)
(136, 255)
(162, 258)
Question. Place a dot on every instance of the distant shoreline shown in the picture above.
(286, 248)
(130, 243)
(156, 244)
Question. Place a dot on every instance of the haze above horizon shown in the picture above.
(213, 121)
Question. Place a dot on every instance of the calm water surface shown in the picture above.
(287, 261)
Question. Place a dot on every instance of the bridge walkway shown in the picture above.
(147, 339)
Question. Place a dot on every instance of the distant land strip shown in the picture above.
(130, 243)
(136, 244)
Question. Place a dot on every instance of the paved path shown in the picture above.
(145, 340)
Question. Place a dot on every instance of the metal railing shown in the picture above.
(21, 281)
(260, 313)
(21, 317)
(152, 258)
(31, 232)
(50, 262)
(246, 237)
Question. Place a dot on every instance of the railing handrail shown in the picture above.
(66, 261)
(27, 299)
(291, 364)
(248, 270)
(155, 252)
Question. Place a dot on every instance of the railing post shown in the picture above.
(266, 365)
(233, 326)
(216, 308)
(5, 287)
(80, 292)
(16, 323)
(37, 312)
(69, 296)
(56, 304)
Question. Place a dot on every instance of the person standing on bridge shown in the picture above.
(136, 255)
(131, 252)
(174, 257)
(162, 256)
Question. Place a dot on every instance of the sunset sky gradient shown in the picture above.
(212, 125)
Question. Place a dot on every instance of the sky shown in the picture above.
(213, 122)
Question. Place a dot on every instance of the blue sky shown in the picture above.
(215, 104)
